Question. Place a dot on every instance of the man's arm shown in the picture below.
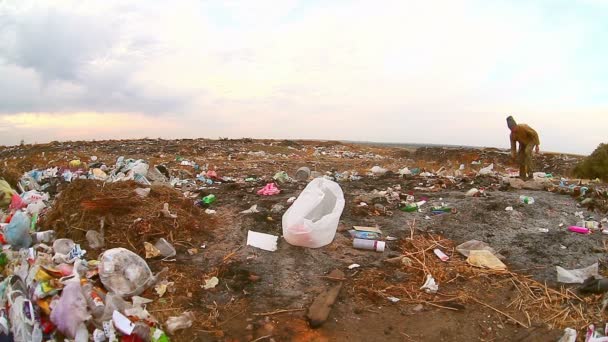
(536, 141)
(513, 145)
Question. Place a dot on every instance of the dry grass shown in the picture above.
(533, 302)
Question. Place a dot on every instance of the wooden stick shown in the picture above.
(440, 306)
(170, 309)
(277, 312)
(500, 312)
(332, 278)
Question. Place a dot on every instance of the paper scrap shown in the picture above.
(263, 241)
(211, 283)
(430, 286)
(122, 323)
(485, 259)
(151, 250)
(393, 299)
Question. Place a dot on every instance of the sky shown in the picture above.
(439, 72)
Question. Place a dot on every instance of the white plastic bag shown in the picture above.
(577, 275)
(124, 272)
(487, 170)
(313, 218)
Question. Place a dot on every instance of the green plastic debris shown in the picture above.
(410, 208)
(157, 335)
(209, 199)
(281, 177)
(3, 259)
(33, 224)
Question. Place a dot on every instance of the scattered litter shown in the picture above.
(122, 323)
(263, 241)
(442, 256)
(142, 192)
(210, 211)
(211, 283)
(473, 192)
(166, 249)
(313, 218)
(183, 321)
(350, 267)
(509, 208)
(378, 171)
(166, 213)
(393, 299)
(579, 230)
(372, 245)
(596, 335)
(485, 259)
(543, 230)
(526, 199)
(475, 245)
(162, 287)
(291, 199)
(252, 210)
(269, 190)
(430, 286)
(487, 170)
(302, 174)
(124, 272)
(569, 335)
(576, 276)
(151, 250)
(281, 177)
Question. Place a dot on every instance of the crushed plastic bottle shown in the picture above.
(526, 199)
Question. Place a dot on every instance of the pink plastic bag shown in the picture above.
(70, 310)
(16, 203)
(269, 190)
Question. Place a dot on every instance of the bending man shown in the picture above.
(528, 140)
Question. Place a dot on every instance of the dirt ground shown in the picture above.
(256, 285)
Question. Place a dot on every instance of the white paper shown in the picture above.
(263, 241)
(122, 323)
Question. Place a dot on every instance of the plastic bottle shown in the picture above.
(580, 230)
(45, 236)
(94, 300)
(372, 245)
(526, 199)
(303, 173)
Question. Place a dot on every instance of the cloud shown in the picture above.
(433, 71)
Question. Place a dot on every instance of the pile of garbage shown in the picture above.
(53, 287)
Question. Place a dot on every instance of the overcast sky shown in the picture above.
(444, 72)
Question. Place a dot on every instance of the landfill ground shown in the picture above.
(264, 296)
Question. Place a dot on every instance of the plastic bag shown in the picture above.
(475, 245)
(124, 272)
(487, 170)
(6, 194)
(70, 311)
(179, 322)
(576, 276)
(17, 233)
(313, 218)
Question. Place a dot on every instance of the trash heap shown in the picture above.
(53, 288)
